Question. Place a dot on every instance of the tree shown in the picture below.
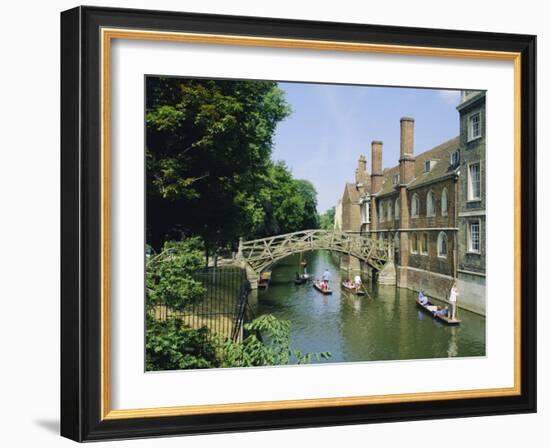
(327, 219)
(272, 350)
(207, 155)
(288, 205)
(170, 284)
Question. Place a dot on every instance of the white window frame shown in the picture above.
(445, 200)
(455, 158)
(365, 212)
(430, 195)
(439, 241)
(389, 210)
(396, 179)
(471, 136)
(471, 250)
(381, 212)
(415, 201)
(421, 249)
(472, 198)
(413, 251)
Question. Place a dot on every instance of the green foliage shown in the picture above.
(169, 280)
(272, 350)
(208, 150)
(171, 345)
(169, 275)
(326, 220)
(286, 204)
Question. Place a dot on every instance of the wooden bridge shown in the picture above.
(258, 255)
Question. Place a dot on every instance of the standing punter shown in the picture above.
(452, 300)
(326, 277)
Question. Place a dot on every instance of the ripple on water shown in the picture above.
(386, 325)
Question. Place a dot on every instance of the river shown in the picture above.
(385, 325)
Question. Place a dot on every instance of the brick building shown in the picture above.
(431, 206)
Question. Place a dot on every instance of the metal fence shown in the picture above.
(222, 309)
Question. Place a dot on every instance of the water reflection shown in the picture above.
(385, 324)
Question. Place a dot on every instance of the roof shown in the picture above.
(351, 192)
(441, 154)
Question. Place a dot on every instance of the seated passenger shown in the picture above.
(422, 299)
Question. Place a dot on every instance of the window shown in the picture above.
(427, 166)
(381, 217)
(424, 244)
(444, 203)
(474, 244)
(390, 217)
(442, 245)
(365, 212)
(455, 158)
(414, 206)
(430, 204)
(397, 211)
(474, 182)
(474, 126)
(414, 244)
(395, 179)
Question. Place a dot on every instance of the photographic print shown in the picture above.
(294, 223)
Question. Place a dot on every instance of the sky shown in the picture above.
(332, 125)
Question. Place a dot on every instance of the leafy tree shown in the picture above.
(272, 350)
(171, 345)
(288, 205)
(170, 283)
(326, 220)
(310, 218)
(208, 152)
(169, 275)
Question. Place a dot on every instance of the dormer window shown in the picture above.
(455, 158)
(427, 166)
(396, 179)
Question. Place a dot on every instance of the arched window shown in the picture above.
(415, 206)
(442, 247)
(424, 244)
(430, 204)
(397, 211)
(444, 203)
(390, 217)
(414, 243)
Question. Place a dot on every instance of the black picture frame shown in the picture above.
(81, 224)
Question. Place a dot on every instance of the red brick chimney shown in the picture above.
(376, 176)
(406, 161)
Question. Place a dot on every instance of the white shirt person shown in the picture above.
(452, 301)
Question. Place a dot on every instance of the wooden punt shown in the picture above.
(353, 289)
(436, 316)
(317, 286)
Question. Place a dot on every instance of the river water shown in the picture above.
(385, 325)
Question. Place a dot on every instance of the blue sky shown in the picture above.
(331, 125)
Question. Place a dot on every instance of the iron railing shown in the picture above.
(222, 309)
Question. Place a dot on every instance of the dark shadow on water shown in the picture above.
(51, 426)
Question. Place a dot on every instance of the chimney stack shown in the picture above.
(406, 161)
(376, 176)
(361, 171)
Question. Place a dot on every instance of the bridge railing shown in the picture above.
(259, 253)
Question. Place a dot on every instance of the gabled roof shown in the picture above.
(351, 192)
(441, 155)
